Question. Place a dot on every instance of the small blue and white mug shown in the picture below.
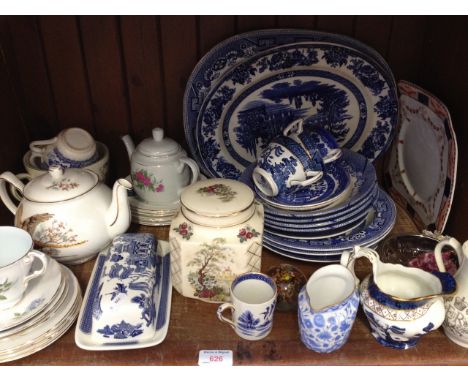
(253, 304)
(73, 147)
(314, 139)
(285, 165)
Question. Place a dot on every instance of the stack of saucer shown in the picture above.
(148, 214)
(318, 222)
(48, 308)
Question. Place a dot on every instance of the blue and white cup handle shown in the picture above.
(315, 176)
(333, 155)
(30, 258)
(294, 128)
(38, 148)
(221, 317)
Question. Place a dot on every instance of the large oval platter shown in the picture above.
(333, 87)
(236, 49)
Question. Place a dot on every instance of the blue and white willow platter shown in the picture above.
(329, 86)
(236, 49)
(332, 186)
(161, 297)
(382, 222)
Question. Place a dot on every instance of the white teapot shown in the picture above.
(68, 212)
(160, 169)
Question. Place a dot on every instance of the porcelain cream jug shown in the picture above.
(456, 319)
(328, 305)
(68, 212)
(402, 303)
(160, 169)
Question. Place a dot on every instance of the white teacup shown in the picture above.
(72, 147)
(253, 304)
(16, 259)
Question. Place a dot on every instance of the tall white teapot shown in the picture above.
(160, 169)
(68, 212)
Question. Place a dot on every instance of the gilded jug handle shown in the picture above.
(455, 244)
(348, 258)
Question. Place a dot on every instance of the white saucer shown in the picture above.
(52, 326)
(38, 295)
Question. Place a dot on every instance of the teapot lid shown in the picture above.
(217, 197)
(60, 184)
(158, 145)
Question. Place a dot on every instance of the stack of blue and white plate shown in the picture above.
(319, 229)
(247, 89)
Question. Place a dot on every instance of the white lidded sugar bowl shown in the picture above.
(160, 169)
(216, 236)
(70, 215)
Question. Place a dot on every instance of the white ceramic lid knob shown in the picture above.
(56, 172)
(158, 134)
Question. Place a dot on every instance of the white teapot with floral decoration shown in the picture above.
(160, 169)
(68, 212)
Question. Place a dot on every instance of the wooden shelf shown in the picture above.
(194, 327)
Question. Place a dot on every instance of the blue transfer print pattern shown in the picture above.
(326, 330)
(256, 325)
(121, 331)
(130, 265)
(56, 158)
(259, 122)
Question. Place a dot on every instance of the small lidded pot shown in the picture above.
(216, 236)
(160, 169)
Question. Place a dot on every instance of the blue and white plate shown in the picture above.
(382, 222)
(300, 226)
(334, 87)
(334, 183)
(303, 222)
(315, 234)
(236, 49)
(309, 258)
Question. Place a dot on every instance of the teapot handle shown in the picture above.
(9, 177)
(193, 167)
(452, 242)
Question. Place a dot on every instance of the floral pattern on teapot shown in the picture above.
(63, 185)
(147, 181)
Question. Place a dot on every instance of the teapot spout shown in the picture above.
(118, 216)
(129, 145)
